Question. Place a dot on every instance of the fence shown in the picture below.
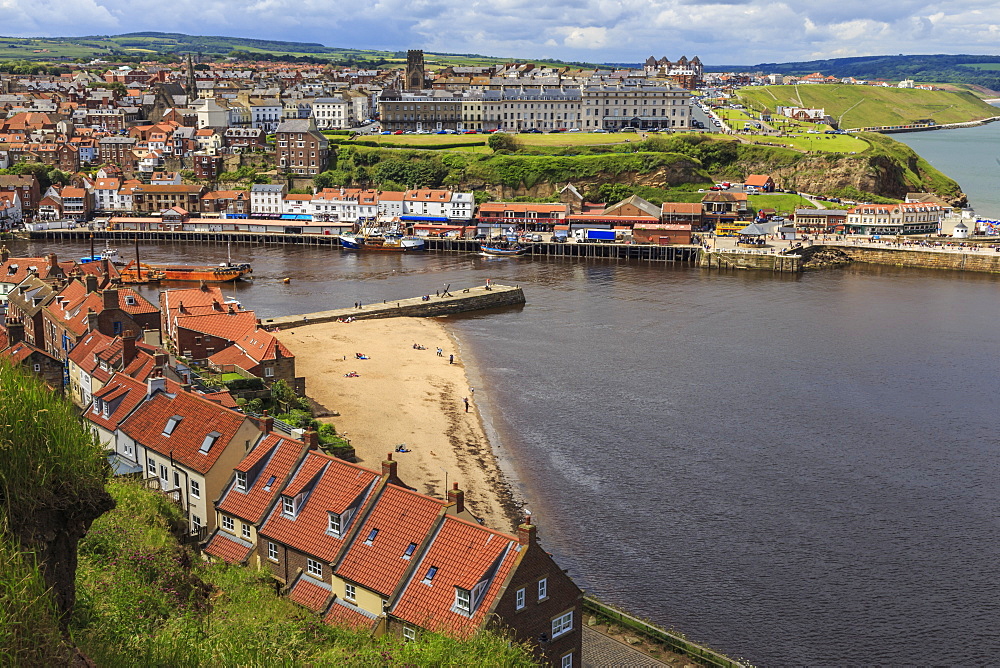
(672, 641)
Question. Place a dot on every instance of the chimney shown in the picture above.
(457, 497)
(92, 317)
(4, 254)
(526, 532)
(53, 262)
(110, 296)
(15, 332)
(128, 348)
(91, 282)
(267, 423)
(160, 360)
(311, 439)
(389, 467)
(154, 384)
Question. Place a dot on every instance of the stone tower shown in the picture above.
(414, 70)
(191, 87)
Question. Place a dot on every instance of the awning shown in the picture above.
(427, 219)
(439, 227)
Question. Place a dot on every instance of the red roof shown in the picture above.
(22, 351)
(462, 555)
(267, 466)
(401, 517)
(758, 180)
(228, 326)
(330, 485)
(84, 353)
(122, 395)
(228, 547)
(344, 615)
(310, 593)
(199, 419)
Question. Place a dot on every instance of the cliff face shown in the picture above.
(661, 177)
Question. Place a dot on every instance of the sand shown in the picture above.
(403, 395)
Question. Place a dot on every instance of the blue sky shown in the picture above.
(727, 32)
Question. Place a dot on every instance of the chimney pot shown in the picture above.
(389, 466)
(457, 497)
(526, 532)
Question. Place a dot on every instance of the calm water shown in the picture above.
(797, 470)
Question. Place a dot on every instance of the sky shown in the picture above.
(731, 32)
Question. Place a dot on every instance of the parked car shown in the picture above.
(573, 130)
(628, 129)
(716, 188)
(386, 132)
(532, 131)
(536, 237)
(599, 130)
(469, 132)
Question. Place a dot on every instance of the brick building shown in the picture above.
(301, 148)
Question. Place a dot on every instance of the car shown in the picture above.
(386, 132)
(532, 131)
(716, 188)
(469, 132)
(441, 132)
(628, 129)
(573, 130)
(480, 237)
(449, 131)
(599, 131)
(536, 237)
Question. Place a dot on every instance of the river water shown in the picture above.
(793, 469)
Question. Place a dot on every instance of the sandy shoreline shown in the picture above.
(403, 395)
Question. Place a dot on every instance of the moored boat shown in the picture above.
(181, 272)
(385, 241)
(502, 249)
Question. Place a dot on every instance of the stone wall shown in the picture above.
(899, 257)
(460, 301)
(759, 261)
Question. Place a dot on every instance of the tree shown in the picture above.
(501, 141)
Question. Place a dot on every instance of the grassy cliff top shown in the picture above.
(867, 106)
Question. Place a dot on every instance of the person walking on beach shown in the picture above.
(466, 400)
(440, 352)
(451, 359)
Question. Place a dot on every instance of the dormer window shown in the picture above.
(171, 425)
(241, 481)
(287, 507)
(209, 441)
(335, 524)
(463, 600)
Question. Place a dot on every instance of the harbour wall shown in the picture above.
(427, 306)
(901, 257)
(725, 259)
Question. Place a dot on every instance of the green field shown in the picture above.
(556, 139)
(867, 106)
(782, 203)
(809, 142)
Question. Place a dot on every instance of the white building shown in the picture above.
(266, 198)
(331, 113)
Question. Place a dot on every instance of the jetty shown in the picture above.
(425, 306)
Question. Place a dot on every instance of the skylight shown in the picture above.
(409, 550)
(371, 536)
(270, 481)
(431, 572)
(171, 425)
(209, 441)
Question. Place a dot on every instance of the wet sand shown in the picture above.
(403, 395)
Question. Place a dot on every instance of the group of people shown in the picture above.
(417, 346)
(349, 318)
(352, 374)
(360, 356)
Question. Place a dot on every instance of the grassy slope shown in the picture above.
(874, 106)
(144, 600)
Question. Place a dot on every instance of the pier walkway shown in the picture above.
(457, 301)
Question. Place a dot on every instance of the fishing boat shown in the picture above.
(222, 273)
(381, 241)
(502, 248)
(110, 254)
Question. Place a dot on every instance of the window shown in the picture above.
(562, 624)
(196, 489)
(151, 465)
(543, 589)
(315, 569)
(409, 633)
(463, 600)
(519, 599)
(272, 551)
(349, 592)
(164, 475)
(171, 425)
(371, 536)
(227, 523)
(38, 367)
(196, 521)
(287, 506)
(334, 524)
(566, 661)
(431, 572)
(246, 531)
(268, 371)
(409, 550)
(209, 441)
(241, 481)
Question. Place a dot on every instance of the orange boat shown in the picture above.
(183, 272)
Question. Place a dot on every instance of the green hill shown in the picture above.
(867, 106)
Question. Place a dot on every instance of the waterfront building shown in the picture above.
(819, 221)
(892, 219)
(515, 109)
(301, 148)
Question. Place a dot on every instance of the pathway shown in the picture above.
(600, 651)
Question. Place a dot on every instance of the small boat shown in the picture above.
(381, 241)
(502, 248)
(110, 254)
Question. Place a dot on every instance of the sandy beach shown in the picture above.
(404, 395)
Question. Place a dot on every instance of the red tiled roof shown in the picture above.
(233, 355)
(463, 553)
(334, 486)
(402, 517)
(228, 326)
(123, 394)
(84, 353)
(276, 455)
(347, 616)
(223, 398)
(310, 593)
(200, 417)
(229, 548)
(757, 180)
(22, 351)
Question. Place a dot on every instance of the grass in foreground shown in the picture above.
(144, 600)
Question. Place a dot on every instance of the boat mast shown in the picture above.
(91, 246)
(138, 265)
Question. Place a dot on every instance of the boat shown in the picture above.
(390, 241)
(502, 248)
(222, 273)
(110, 254)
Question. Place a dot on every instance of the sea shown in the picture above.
(795, 470)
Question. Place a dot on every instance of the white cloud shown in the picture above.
(719, 31)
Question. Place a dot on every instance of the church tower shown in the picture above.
(191, 88)
(414, 70)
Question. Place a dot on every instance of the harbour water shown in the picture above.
(794, 469)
